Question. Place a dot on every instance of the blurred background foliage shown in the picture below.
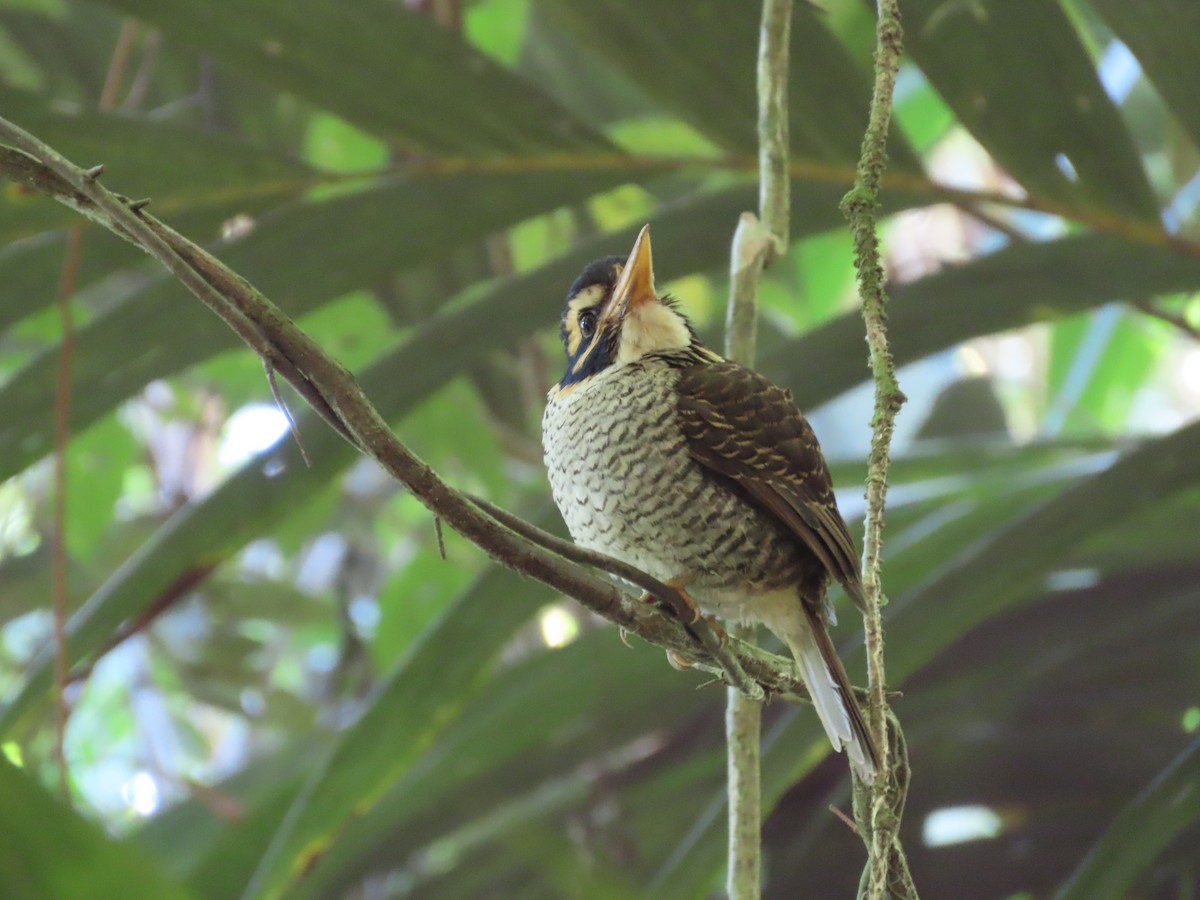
(277, 682)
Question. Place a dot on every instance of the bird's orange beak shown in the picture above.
(635, 285)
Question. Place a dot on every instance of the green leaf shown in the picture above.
(966, 51)
(1097, 365)
(423, 693)
(1035, 545)
(1162, 35)
(1019, 285)
(497, 28)
(48, 850)
(1168, 804)
(96, 464)
(441, 95)
(931, 607)
(181, 169)
(334, 145)
(591, 699)
(301, 255)
(697, 60)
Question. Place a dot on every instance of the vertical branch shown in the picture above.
(774, 186)
(878, 810)
(756, 244)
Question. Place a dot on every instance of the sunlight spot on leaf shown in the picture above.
(1191, 719)
(960, 824)
(249, 431)
(558, 626)
(1066, 166)
(1189, 373)
(1072, 579)
(12, 752)
(140, 794)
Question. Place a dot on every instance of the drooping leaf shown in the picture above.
(423, 693)
(300, 256)
(48, 850)
(698, 61)
(1161, 34)
(412, 82)
(179, 168)
(1067, 144)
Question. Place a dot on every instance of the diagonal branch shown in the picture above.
(335, 394)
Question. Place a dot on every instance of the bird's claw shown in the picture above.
(678, 663)
(718, 630)
(678, 585)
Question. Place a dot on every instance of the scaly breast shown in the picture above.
(626, 485)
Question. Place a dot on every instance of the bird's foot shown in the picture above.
(679, 584)
(678, 663)
(718, 630)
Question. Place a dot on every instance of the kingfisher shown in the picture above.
(702, 473)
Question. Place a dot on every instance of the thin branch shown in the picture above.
(878, 812)
(845, 819)
(757, 242)
(287, 414)
(441, 539)
(335, 394)
(674, 600)
(774, 184)
(117, 66)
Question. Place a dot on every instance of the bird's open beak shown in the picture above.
(635, 285)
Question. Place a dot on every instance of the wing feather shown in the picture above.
(741, 426)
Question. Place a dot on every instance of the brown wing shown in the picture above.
(743, 427)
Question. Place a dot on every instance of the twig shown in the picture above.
(878, 819)
(734, 675)
(287, 414)
(441, 541)
(117, 66)
(846, 820)
(757, 242)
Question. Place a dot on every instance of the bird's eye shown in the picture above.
(587, 323)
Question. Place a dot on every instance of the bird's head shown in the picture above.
(614, 316)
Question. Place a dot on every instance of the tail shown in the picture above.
(827, 683)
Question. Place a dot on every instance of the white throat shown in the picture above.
(651, 327)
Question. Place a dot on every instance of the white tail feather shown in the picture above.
(828, 701)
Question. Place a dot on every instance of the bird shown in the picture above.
(702, 473)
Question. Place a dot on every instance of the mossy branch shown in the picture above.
(878, 807)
